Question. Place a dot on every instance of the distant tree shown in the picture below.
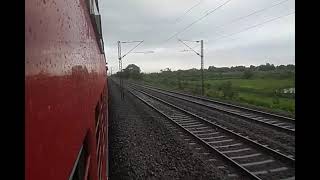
(193, 70)
(269, 67)
(238, 68)
(212, 68)
(281, 67)
(133, 68)
(291, 67)
(224, 69)
(166, 70)
(266, 67)
(132, 71)
(252, 68)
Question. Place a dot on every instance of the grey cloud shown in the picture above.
(154, 21)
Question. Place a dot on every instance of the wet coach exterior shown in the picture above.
(65, 91)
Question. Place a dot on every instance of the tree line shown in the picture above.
(132, 71)
(263, 67)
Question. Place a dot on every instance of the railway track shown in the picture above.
(249, 158)
(281, 123)
(277, 140)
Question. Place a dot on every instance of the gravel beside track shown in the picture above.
(142, 146)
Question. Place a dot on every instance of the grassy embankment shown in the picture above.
(258, 90)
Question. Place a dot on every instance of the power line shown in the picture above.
(185, 50)
(144, 52)
(190, 40)
(129, 41)
(255, 12)
(248, 15)
(132, 48)
(120, 61)
(189, 47)
(254, 26)
(199, 19)
(201, 55)
(179, 18)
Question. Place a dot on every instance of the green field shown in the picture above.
(256, 91)
(259, 86)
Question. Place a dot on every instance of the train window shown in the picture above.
(96, 21)
(95, 9)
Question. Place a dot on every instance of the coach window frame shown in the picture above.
(96, 22)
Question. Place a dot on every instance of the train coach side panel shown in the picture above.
(65, 78)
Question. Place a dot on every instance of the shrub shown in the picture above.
(247, 74)
(226, 88)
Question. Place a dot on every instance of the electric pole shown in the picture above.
(120, 62)
(202, 81)
(120, 68)
(199, 54)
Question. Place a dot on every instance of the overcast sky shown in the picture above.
(266, 36)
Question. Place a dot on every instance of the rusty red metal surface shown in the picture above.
(65, 79)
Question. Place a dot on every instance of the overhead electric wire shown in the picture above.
(179, 18)
(132, 48)
(130, 41)
(199, 19)
(188, 10)
(254, 26)
(189, 47)
(190, 41)
(248, 28)
(255, 12)
(192, 47)
(248, 15)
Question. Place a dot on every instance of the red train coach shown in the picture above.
(65, 91)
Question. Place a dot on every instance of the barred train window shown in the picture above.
(96, 22)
